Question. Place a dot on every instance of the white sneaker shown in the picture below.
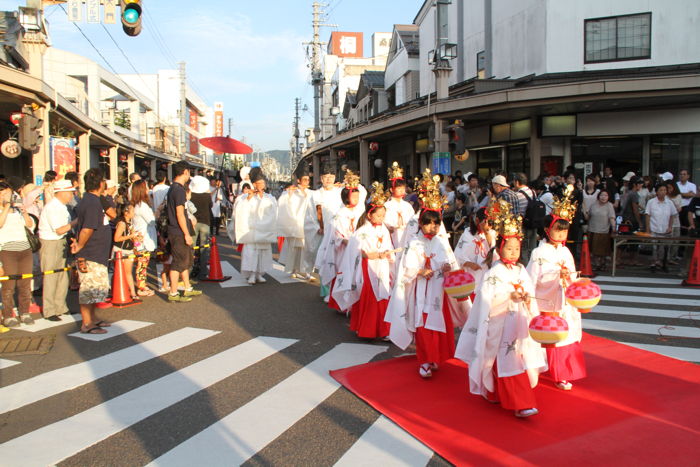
(251, 279)
(261, 279)
(526, 413)
(564, 385)
(305, 277)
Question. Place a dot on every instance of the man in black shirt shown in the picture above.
(92, 248)
(179, 235)
(694, 216)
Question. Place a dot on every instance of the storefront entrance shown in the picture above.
(621, 154)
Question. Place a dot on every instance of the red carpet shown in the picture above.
(635, 408)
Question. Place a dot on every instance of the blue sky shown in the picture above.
(247, 54)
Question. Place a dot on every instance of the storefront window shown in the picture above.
(674, 153)
(517, 159)
(488, 162)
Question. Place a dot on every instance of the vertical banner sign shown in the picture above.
(218, 119)
(62, 155)
(110, 12)
(75, 11)
(442, 163)
(194, 124)
(93, 11)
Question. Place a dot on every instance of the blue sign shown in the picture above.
(39, 180)
(442, 163)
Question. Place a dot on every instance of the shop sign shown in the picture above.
(62, 155)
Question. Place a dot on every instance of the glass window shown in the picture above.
(517, 159)
(618, 38)
(488, 162)
(520, 129)
(559, 125)
(673, 153)
(500, 133)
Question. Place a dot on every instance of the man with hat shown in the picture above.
(54, 224)
(503, 191)
(256, 228)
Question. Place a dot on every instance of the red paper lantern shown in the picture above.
(459, 284)
(548, 328)
(583, 294)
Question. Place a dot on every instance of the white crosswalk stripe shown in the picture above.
(116, 329)
(674, 318)
(7, 363)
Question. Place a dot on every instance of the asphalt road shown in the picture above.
(143, 426)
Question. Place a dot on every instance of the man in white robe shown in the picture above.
(256, 229)
(293, 207)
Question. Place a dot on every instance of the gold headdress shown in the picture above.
(429, 192)
(504, 222)
(563, 207)
(395, 172)
(352, 181)
(378, 196)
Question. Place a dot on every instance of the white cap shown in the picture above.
(63, 185)
(628, 176)
(499, 180)
(199, 184)
(666, 176)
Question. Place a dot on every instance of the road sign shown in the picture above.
(10, 149)
(442, 163)
(93, 11)
(75, 11)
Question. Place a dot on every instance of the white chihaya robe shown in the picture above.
(398, 214)
(546, 264)
(475, 249)
(497, 331)
(349, 283)
(413, 229)
(412, 295)
(292, 209)
(256, 219)
(330, 202)
(343, 226)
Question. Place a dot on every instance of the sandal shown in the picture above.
(103, 324)
(145, 293)
(93, 330)
(424, 371)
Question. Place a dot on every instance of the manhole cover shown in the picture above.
(27, 345)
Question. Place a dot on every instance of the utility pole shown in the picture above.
(230, 126)
(316, 71)
(183, 109)
(295, 154)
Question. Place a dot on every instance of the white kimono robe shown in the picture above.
(413, 295)
(497, 331)
(475, 249)
(546, 264)
(256, 219)
(343, 226)
(349, 281)
(291, 217)
(330, 203)
(398, 214)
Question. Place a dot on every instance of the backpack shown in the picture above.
(162, 221)
(534, 213)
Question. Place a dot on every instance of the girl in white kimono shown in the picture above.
(398, 211)
(291, 217)
(365, 279)
(418, 309)
(504, 361)
(256, 229)
(326, 202)
(474, 246)
(552, 269)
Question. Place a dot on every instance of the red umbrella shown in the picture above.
(224, 144)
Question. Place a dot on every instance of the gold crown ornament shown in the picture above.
(395, 171)
(504, 222)
(563, 207)
(378, 196)
(352, 180)
(429, 192)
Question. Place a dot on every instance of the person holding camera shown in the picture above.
(15, 255)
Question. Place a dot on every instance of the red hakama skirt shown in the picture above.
(566, 363)
(331, 301)
(513, 392)
(435, 346)
(367, 314)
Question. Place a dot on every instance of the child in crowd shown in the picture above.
(124, 238)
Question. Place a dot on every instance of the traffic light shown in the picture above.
(131, 16)
(30, 130)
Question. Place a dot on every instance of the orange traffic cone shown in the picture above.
(585, 260)
(280, 244)
(215, 273)
(693, 279)
(120, 287)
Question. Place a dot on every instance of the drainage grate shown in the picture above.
(27, 345)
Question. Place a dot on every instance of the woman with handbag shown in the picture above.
(124, 239)
(17, 242)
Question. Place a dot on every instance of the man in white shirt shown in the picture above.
(688, 191)
(660, 213)
(160, 190)
(54, 224)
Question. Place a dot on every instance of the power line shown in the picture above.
(90, 42)
(126, 57)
